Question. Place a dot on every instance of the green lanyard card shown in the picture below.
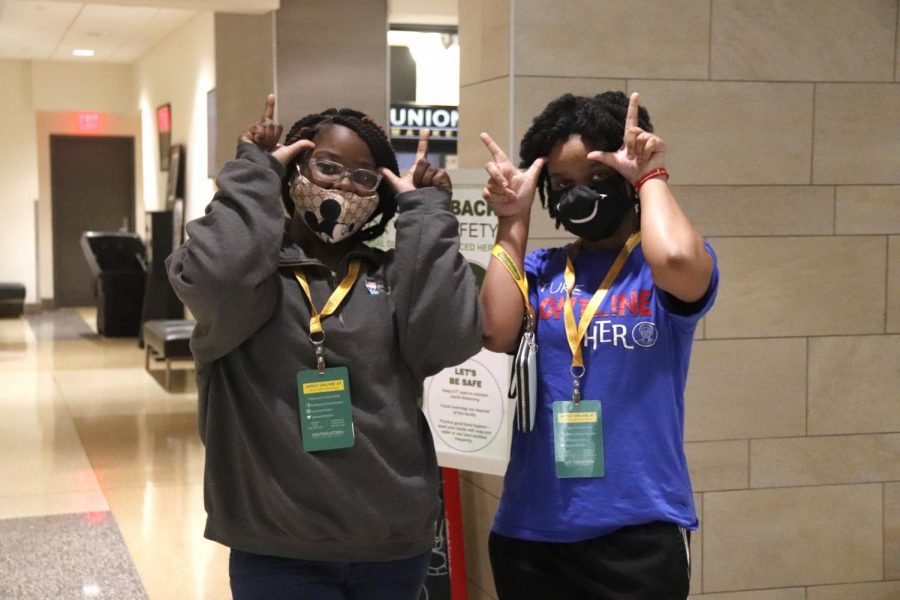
(326, 420)
(578, 439)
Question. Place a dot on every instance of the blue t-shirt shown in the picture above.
(636, 354)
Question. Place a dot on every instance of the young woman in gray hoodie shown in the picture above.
(320, 469)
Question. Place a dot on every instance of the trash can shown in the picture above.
(118, 265)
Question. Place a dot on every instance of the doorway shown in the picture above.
(92, 189)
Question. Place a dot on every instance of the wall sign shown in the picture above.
(408, 120)
(164, 130)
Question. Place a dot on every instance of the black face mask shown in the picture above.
(592, 212)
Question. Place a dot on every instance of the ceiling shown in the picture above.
(121, 31)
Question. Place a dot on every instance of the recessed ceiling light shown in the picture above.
(82, 52)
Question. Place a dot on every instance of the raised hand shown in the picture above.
(641, 151)
(266, 134)
(509, 191)
(421, 174)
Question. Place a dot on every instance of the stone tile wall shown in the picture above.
(783, 126)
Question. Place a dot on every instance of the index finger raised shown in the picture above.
(269, 111)
(422, 148)
(631, 118)
(495, 150)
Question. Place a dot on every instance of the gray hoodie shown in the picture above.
(412, 312)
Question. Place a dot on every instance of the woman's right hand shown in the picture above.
(266, 134)
(641, 151)
(509, 191)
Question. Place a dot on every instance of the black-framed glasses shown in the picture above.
(328, 172)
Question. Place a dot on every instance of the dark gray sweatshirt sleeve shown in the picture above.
(435, 298)
(225, 273)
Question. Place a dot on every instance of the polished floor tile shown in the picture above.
(40, 447)
(88, 438)
(133, 450)
(163, 528)
(62, 324)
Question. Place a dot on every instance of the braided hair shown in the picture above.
(600, 120)
(377, 141)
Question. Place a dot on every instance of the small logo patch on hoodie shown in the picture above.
(377, 288)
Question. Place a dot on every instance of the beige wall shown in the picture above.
(179, 71)
(18, 179)
(65, 86)
(783, 121)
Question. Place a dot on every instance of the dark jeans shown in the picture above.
(258, 577)
(643, 562)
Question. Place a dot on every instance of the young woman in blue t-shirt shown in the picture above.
(597, 500)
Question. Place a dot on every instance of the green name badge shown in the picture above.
(326, 421)
(578, 439)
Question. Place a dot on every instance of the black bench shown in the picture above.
(12, 300)
(167, 339)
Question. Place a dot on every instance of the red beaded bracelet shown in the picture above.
(658, 172)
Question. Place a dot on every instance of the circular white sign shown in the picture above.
(465, 406)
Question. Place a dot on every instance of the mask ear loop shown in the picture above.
(288, 183)
(287, 190)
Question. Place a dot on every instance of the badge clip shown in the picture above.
(577, 374)
(318, 342)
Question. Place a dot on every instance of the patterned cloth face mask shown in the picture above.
(331, 214)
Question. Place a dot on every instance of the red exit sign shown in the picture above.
(89, 121)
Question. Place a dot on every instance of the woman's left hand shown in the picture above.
(421, 174)
(641, 150)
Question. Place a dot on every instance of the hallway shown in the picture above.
(100, 470)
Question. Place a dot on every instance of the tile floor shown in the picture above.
(100, 470)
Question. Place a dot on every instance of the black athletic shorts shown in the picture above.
(641, 562)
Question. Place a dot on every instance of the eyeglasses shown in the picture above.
(326, 172)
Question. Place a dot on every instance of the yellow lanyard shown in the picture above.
(316, 334)
(507, 261)
(575, 335)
